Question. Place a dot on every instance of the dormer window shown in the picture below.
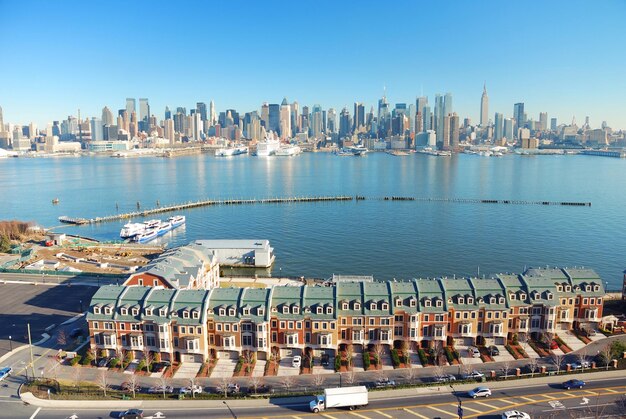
(568, 288)
(373, 306)
(535, 295)
(549, 295)
(439, 303)
(162, 312)
(522, 296)
(501, 300)
(222, 311)
(195, 314)
(470, 300)
(344, 305)
(329, 310)
(260, 311)
(596, 287)
(319, 310)
(96, 310)
(587, 288)
(185, 314)
(285, 309)
(148, 312)
(135, 311)
(427, 303)
(412, 302)
(398, 302)
(357, 305)
(559, 288)
(512, 296)
(124, 311)
(492, 300)
(295, 309)
(384, 306)
(246, 311)
(461, 300)
(231, 312)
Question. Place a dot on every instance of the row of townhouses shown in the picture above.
(192, 323)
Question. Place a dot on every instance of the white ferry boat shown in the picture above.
(241, 149)
(146, 236)
(132, 229)
(267, 147)
(163, 228)
(288, 150)
(359, 150)
(225, 152)
(177, 220)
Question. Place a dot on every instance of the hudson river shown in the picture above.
(372, 237)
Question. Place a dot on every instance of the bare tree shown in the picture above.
(288, 382)
(147, 357)
(133, 384)
(248, 357)
(163, 382)
(62, 339)
(466, 369)
(506, 368)
(438, 371)
(318, 380)
(349, 355)
(349, 378)
(378, 350)
(410, 374)
(406, 347)
(52, 366)
(225, 382)
(581, 356)
(533, 364)
(606, 353)
(523, 342)
(256, 382)
(102, 381)
(77, 375)
(192, 384)
(557, 360)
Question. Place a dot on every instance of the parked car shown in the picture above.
(297, 361)
(231, 388)
(493, 350)
(515, 414)
(196, 389)
(160, 389)
(75, 333)
(580, 365)
(128, 386)
(131, 414)
(554, 345)
(159, 366)
(476, 375)
(384, 383)
(325, 360)
(473, 352)
(104, 362)
(573, 384)
(5, 372)
(446, 378)
(479, 392)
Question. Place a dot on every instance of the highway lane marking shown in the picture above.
(488, 405)
(611, 390)
(35, 414)
(506, 401)
(383, 414)
(471, 410)
(454, 415)
(359, 415)
(593, 393)
(528, 399)
(328, 416)
(414, 413)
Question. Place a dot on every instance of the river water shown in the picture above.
(387, 239)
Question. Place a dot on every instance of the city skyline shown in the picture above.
(268, 53)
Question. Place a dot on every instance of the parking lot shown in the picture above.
(38, 305)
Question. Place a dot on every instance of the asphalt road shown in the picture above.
(598, 399)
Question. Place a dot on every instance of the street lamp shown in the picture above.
(81, 306)
(10, 344)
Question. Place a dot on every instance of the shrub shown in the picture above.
(423, 357)
(74, 361)
(239, 364)
(449, 355)
(337, 363)
(515, 340)
(141, 365)
(366, 361)
(115, 362)
(395, 359)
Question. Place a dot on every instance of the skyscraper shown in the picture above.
(543, 120)
(96, 129)
(420, 103)
(508, 129)
(427, 117)
(484, 108)
(518, 115)
(295, 111)
(285, 120)
(345, 123)
(201, 109)
(274, 117)
(212, 114)
(445, 133)
(1, 120)
(499, 126)
(359, 116)
(438, 119)
(317, 128)
(107, 116)
(553, 124)
(265, 115)
(144, 115)
(454, 131)
(168, 113)
(130, 106)
(331, 120)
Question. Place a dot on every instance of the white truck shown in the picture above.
(350, 397)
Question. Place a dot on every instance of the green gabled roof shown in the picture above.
(405, 291)
(486, 288)
(583, 277)
(289, 296)
(192, 300)
(350, 292)
(226, 298)
(255, 298)
(314, 296)
(106, 295)
(513, 284)
(431, 290)
(132, 297)
(157, 299)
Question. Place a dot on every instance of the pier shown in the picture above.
(287, 200)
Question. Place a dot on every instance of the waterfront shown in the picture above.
(382, 238)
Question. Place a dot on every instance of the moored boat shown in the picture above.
(146, 236)
(177, 220)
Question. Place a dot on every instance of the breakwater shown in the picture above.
(285, 200)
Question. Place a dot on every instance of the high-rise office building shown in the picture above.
(445, 133)
(1, 120)
(553, 125)
(439, 115)
(168, 132)
(317, 127)
(519, 115)
(274, 117)
(359, 116)
(285, 120)
(484, 108)
(201, 109)
(498, 132)
(454, 131)
(543, 121)
(96, 129)
(420, 103)
(198, 126)
(168, 113)
(427, 119)
(295, 118)
(384, 117)
(265, 115)
(130, 106)
(144, 115)
(508, 129)
(107, 116)
(345, 123)
(212, 114)
(331, 117)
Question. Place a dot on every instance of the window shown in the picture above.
(155, 283)
(357, 306)
(344, 305)
(439, 303)
(96, 310)
(135, 311)
(150, 341)
(195, 314)
(492, 300)
(260, 311)
(222, 311)
(261, 342)
(290, 325)
(427, 303)
(148, 311)
(231, 312)
(316, 325)
(384, 306)
(385, 321)
(550, 296)
(319, 310)
(398, 302)
(292, 339)
(501, 300)
(373, 306)
(274, 324)
(329, 310)
(398, 331)
(326, 340)
(162, 312)
(148, 328)
(136, 340)
(285, 309)
(307, 337)
(295, 309)
(122, 326)
(274, 337)
(218, 327)
(398, 318)
(412, 302)
(124, 311)
(185, 314)
(461, 300)
(108, 326)
(512, 296)
(470, 300)
(357, 321)
(384, 335)
(135, 327)
(246, 340)
(465, 329)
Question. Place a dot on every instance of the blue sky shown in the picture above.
(563, 57)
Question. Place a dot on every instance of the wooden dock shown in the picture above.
(209, 202)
